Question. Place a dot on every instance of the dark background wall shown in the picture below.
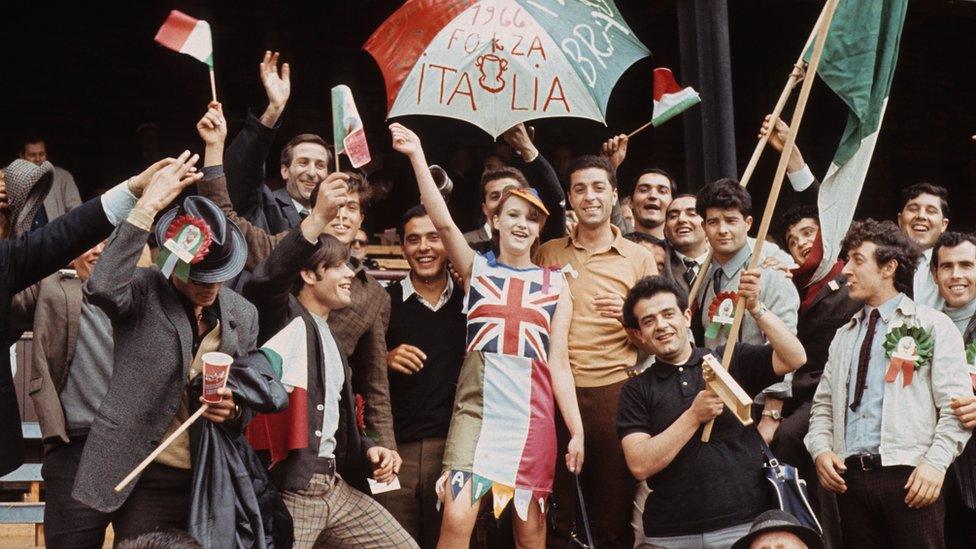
(87, 75)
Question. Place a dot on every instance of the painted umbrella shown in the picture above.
(496, 63)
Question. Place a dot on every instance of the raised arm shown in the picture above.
(543, 179)
(788, 352)
(458, 250)
(248, 151)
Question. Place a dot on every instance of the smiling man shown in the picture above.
(882, 431)
(954, 264)
(600, 266)
(653, 191)
(923, 217)
(426, 339)
(685, 233)
(702, 494)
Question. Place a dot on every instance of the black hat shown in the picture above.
(779, 521)
(228, 249)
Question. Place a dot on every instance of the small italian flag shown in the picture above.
(187, 35)
(670, 99)
(347, 127)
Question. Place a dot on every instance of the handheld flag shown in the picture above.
(858, 63)
(184, 34)
(670, 99)
(347, 127)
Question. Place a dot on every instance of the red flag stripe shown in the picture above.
(175, 30)
(664, 82)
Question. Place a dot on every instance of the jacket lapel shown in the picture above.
(72, 299)
(287, 207)
(173, 310)
(826, 290)
(228, 326)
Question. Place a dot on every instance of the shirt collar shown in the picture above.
(299, 208)
(700, 260)
(664, 370)
(738, 260)
(615, 244)
(408, 290)
(926, 256)
(887, 309)
(487, 229)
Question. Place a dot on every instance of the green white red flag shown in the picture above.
(347, 127)
(184, 34)
(858, 63)
(670, 99)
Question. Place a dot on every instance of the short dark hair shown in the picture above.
(891, 243)
(286, 151)
(357, 183)
(658, 171)
(592, 161)
(725, 194)
(913, 191)
(31, 139)
(949, 239)
(413, 213)
(506, 172)
(169, 538)
(794, 215)
(330, 253)
(646, 288)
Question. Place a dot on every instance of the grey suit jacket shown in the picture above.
(153, 351)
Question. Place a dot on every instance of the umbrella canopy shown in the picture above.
(496, 63)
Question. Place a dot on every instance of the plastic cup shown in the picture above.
(216, 366)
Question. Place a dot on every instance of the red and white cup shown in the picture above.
(216, 367)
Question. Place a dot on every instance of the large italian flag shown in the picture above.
(280, 433)
(184, 34)
(858, 63)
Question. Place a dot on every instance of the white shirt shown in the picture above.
(926, 290)
(334, 378)
(408, 290)
(302, 210)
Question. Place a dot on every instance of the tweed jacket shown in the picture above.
(269, 288)
(917, 423)
(55, 305)
(360, 329)
(24, 261)
(153, 352)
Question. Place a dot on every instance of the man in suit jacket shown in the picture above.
(685, 234)
(63, 195)
(954, 269)
(166, 320)
(322, 479)
(360, 329)
(37, 254)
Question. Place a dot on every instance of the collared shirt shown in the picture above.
(91, 369)
(599, 352)
(302, 210)
(699, 261)
(117, 202)
(926, 290)
(409, 290)
(961, 316)
(334, 378)
(864, 424)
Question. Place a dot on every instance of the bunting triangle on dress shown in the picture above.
(479, 487)
(458, 480)
(541, 497)
(502, 495)
(522, 500)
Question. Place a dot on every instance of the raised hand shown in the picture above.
(277, 85)
(330, 196)
(404, 140)
(168, 182)
(212, 127)
(520, 141)
(615, 149)
(749, 288)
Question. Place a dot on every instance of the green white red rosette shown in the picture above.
(721, 313)
(187, 242)
(908, 348)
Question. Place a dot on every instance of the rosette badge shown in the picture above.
(908, 348)
(188, 240)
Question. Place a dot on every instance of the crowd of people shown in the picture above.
(547, 362)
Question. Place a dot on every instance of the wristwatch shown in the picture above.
(762, 310)
(776, 415)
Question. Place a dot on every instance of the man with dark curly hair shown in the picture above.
(882, 431)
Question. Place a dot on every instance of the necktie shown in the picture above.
(303, 214)
(863, 359)
(691, 270)
(717, 281)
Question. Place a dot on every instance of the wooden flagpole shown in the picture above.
(213, 85)
(801, 104)
(159, 450)
(795, 77)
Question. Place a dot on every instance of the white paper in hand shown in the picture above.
(380, 487)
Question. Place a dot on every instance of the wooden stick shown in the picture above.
(213, 85)
(801, 104)
(159, 450)
(795, 76)
(638, 130)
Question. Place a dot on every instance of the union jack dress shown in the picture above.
(503, 434)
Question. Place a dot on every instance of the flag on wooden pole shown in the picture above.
(184, 34)
(347, 128)
(858, 63)
(670, 99)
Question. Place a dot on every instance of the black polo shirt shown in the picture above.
(709, 485)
